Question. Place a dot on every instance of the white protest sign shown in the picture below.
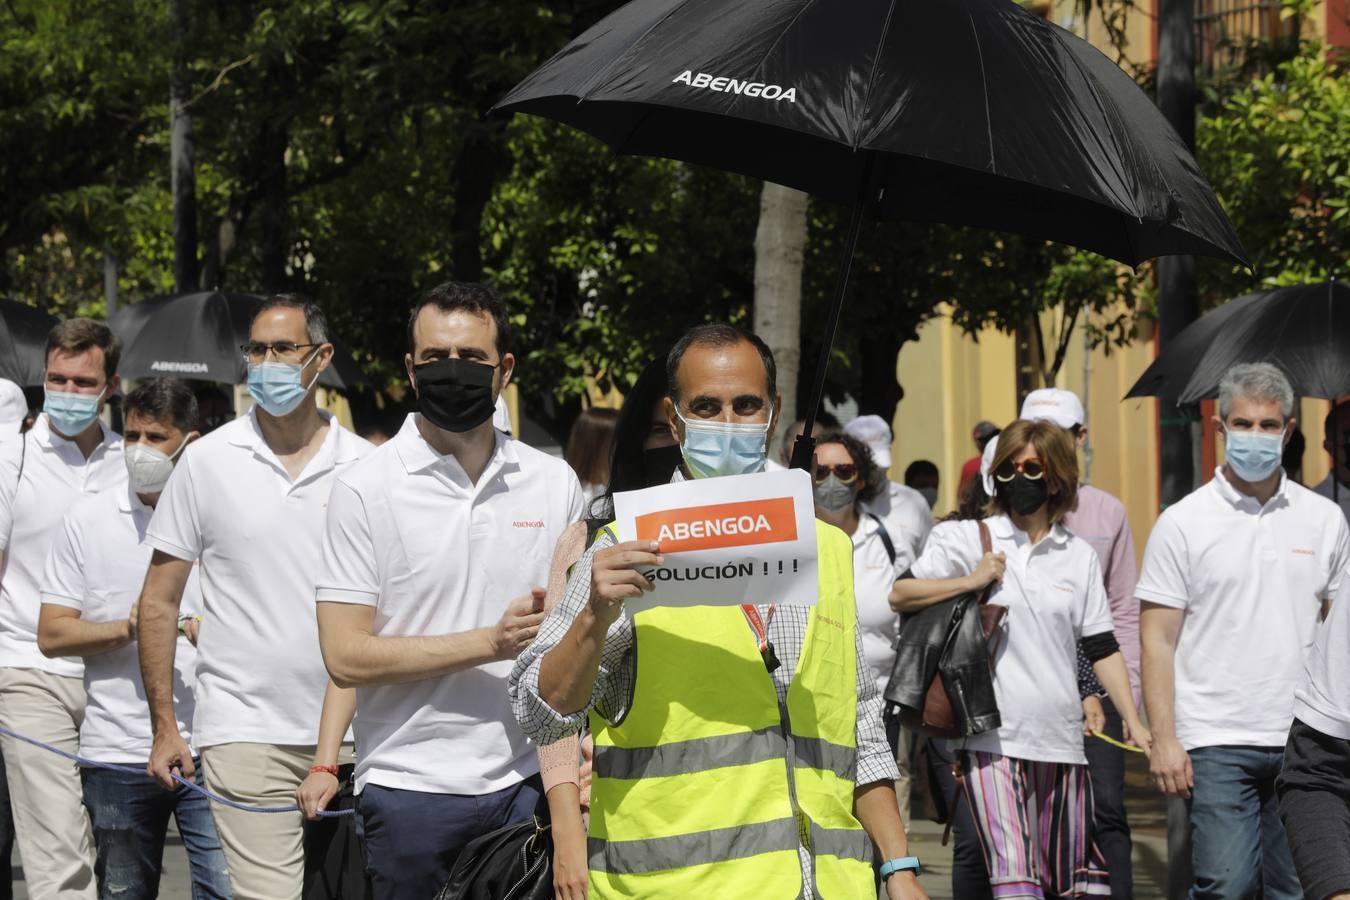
(726, 541)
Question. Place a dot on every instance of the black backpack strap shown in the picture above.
(885, 536)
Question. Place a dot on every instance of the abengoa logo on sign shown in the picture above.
(734, 86)
(721, 525)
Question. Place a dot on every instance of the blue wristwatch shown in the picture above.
(899, 864)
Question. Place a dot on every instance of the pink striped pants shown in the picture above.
(1035, 825)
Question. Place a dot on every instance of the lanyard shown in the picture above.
(761, 630)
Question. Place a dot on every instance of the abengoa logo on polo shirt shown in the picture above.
(735, 86)
(720, 525)
(191, 368)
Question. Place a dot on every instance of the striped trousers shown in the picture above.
(1034, 820)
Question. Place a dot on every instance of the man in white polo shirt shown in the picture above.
(1100, 519)
(66, 455)
(248, 502)
(1234, 582)
(435, 550)
(1313, 787)
(93, 576)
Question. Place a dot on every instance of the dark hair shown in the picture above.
(920, 468)
(872, 478)
(1054, 446)
(164, 399)
(627, 467)
(469, 296)
(79, 335)
(316, 325)
(591, 443)
(719, 334)
(971, 501)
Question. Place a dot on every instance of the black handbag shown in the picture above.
(511, 863)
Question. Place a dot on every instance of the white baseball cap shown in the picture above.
(13, 406)
(1054, 405)
(987, 463)
(876, 434)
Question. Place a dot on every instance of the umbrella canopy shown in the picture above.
(1304, 329)
(23, 342)
(198, 336)
(967, 112)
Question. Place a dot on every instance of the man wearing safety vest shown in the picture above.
(739, 751)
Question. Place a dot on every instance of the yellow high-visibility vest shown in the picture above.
(708, 786)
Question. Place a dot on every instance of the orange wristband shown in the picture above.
(331, 770)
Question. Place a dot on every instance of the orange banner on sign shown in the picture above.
(721, 525)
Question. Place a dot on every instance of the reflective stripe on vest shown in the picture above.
(845, 843)
(659, 854)
(818, 753)
(739, 749)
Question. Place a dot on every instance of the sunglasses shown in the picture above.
(845, 472)
(1032, 468)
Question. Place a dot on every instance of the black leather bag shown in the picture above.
(511, 863)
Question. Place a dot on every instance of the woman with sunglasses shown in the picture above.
(1027, 781)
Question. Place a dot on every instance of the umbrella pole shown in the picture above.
(804, 450)
(1335, 407)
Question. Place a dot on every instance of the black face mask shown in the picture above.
(659, 464)
(1023, 495)
(455, 394)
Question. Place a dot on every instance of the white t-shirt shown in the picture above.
(231, 505)
(906, 514)
(97, 565)
(1323, 700)
(873, 576)
(1252, 581)
(1326, 488)
(55, 475)
(434, 554)
(1055, 597)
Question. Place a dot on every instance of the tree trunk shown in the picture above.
(481, 162)
(780, 246)
(110, 296)
(183, 179)
(273, 212)
(1178, 305)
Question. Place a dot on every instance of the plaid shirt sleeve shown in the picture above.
(875, 760)
(614, 681)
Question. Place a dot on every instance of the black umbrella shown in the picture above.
(23, 342)
(967, 112)
(1303, 329)
(198, 336)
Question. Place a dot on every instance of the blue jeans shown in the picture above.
(1238, 844)
(130, 817)
(413, 838)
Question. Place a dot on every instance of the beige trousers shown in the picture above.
(50, 821)
(265, 851)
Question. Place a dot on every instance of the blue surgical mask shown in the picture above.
(1253, 455)
(711, 449)
(70, 414)
(277, 387)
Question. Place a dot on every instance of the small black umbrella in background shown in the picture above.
(1304, 329)
(965, 112)
(23, 342)
(199, 335)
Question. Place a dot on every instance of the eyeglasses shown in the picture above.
(256, 351)
(845, 472)
(1032, 468)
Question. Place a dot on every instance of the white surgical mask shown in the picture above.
(149, 469)
(712, 449)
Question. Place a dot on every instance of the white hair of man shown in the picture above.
(1256, 381)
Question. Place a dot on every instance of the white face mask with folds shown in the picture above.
(712, 449)
(149, 469)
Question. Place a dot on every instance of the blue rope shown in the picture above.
(191, 785)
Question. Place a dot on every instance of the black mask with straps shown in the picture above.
(659, 463)
(1023, 495)
(455, 394)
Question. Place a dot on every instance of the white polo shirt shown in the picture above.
(1251, 580)
(231, 505)
(435, 554)
(1055, 597)
(55, 475)
(97, 565)
(873, 576)
(1323, 699)
(906, 514)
